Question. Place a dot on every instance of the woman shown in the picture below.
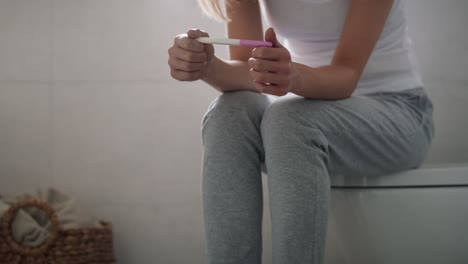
(355, 105)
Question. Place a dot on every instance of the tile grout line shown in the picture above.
(51, 94)
(50, 80)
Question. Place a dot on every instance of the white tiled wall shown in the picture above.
(440, 39)
(25, 134)
(87, 105)
(26, 40)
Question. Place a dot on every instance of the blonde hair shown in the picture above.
(215, 9)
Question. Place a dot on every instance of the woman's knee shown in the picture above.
(240, 100)
(287, 123)
(235, 110)
(281, 118)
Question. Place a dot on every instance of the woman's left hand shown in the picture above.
(271, 68)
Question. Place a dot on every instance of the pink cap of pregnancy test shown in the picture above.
(255, 43)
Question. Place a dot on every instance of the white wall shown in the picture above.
(87, 105)
(439, 30)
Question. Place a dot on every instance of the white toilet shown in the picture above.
(418, 216)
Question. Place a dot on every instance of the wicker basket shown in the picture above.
(89, 245)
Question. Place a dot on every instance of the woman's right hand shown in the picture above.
(189, 59)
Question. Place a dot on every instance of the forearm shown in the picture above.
(229, 75)
(327, 82)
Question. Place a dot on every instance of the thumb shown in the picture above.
(270, 35)
(196, 33)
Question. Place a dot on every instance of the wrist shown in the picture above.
(296, 79)
(210, 69)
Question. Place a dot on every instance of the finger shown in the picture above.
(189, 44)
(271, 53)
(182, 65)
(262, 65)
(209, 50)
(267, 77)
(271, 89)
(266, 53)
(187, 55)
(185, 76)
(197, 33)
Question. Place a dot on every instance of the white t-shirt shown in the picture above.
(311, 29)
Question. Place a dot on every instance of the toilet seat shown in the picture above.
(452, 175)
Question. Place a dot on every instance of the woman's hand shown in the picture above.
(189, 59)
(271, 68)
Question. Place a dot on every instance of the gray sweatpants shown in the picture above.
(301, 142)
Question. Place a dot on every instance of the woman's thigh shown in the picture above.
(365, 135)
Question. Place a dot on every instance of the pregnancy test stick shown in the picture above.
(235, 42)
